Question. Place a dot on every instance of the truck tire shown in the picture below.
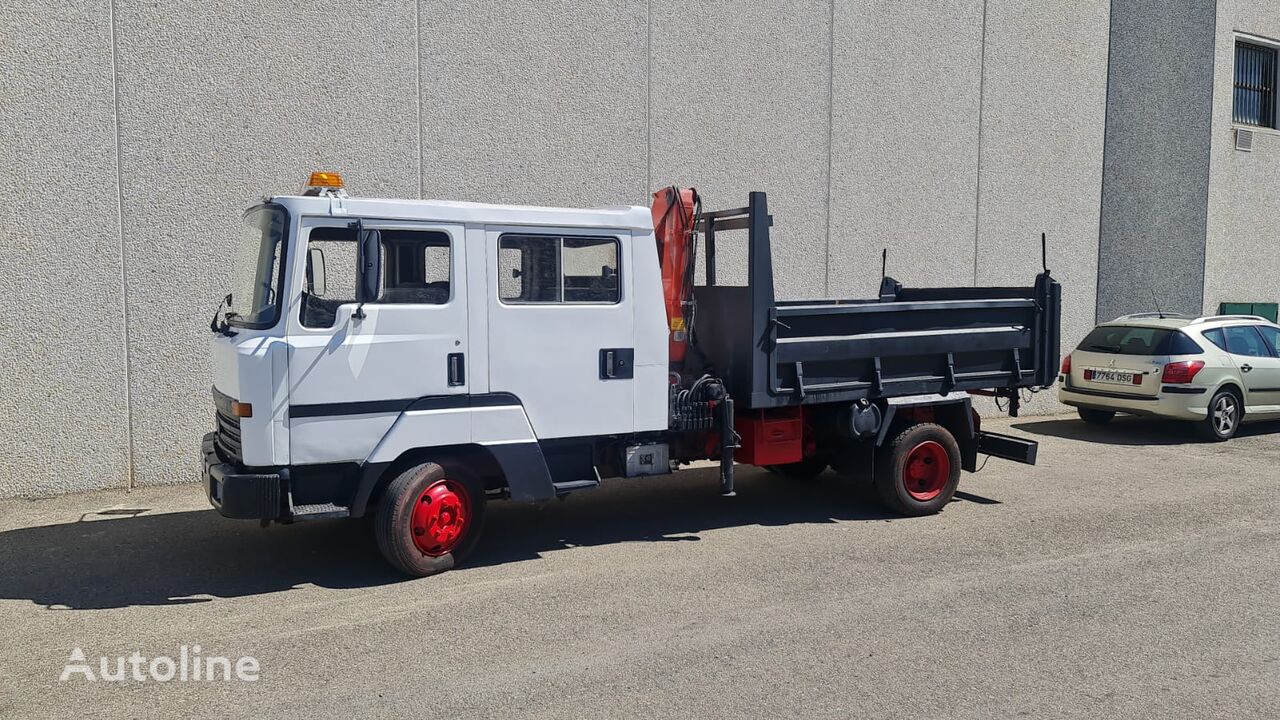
(428, 519)
(1225, 413)
(1095, 417)
(807, 469)
(918, 471)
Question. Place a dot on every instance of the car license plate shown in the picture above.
(1111, 377)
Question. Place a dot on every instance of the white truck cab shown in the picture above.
(416, 358)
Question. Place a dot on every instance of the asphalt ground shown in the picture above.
(1134, 573)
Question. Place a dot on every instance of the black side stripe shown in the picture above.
(1274, 389)
(429, 402)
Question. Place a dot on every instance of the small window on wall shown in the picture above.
(557, 269)
(1255, 85)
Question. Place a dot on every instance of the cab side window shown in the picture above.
(557, 269)
(330, 278)
(415, 267)
(415, 270)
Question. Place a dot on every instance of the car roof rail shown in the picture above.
(1213, 318)
(1171, 315)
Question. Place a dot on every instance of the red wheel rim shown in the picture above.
(440, 517)
(926, 471)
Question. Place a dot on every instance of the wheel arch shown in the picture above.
(516, 469)
(953, 414)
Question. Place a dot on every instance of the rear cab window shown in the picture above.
(558, 269)
(1132, 340)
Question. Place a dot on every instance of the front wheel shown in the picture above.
(1225, 413)
(918, 472)
(428, 519)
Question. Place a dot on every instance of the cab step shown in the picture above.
(564, 488)
(321, 511)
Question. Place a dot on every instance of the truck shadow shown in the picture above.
(1133, 431)
(136, 559)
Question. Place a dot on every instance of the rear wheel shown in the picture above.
(917, 473)
(806, 469)
(1096, 417)
(428, 519)
(1225, 413)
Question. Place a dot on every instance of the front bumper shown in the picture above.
(238, 494)
(1175, 402)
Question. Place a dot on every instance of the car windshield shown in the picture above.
(255, 272)
(1126, 340)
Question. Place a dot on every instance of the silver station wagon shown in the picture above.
(1216, 371)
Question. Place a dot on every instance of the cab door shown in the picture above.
(560, 328)
(354, 367)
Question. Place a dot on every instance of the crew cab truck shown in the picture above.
(414, 360)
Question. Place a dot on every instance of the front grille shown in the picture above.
(228, 439)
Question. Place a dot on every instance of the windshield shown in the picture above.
(255, 272)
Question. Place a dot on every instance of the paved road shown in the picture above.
(1131, 574)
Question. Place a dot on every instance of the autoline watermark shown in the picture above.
(188, 666)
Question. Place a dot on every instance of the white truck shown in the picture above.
(417, 359)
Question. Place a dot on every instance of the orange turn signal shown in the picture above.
(242, 410)
(325, 179)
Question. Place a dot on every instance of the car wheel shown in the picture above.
(1096, 417)
(918, 472)
(1225, 413)
(429, 518)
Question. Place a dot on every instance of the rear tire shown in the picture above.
(1096, 417)
(1225, 413)
(807, 469)
(918, 472)
(429, 518)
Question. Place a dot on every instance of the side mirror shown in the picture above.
(369, 258)
(315, 272)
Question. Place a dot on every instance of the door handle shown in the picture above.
(616, 363)
(457, 370)
(1246, 367)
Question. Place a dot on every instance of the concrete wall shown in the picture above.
(1242, 262)
(1156, 174)
(1041, 164)
(64, 420)
(953, 133)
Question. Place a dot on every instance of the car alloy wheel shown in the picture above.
(1226, 413)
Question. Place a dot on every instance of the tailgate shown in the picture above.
(1136, 375)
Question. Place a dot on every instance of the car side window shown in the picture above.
(1216, 337)
(1244, 340)
(1271, 336)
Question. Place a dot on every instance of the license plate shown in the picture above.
(1111, 377)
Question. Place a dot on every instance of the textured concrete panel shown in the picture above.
(905, 143)
(221, 104)
(741, 103)
(1156, 171)
(540, 103)
(1242, 263)
(1044, 102)
(64, 422)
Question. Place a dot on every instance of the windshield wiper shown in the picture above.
(1113, 349)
